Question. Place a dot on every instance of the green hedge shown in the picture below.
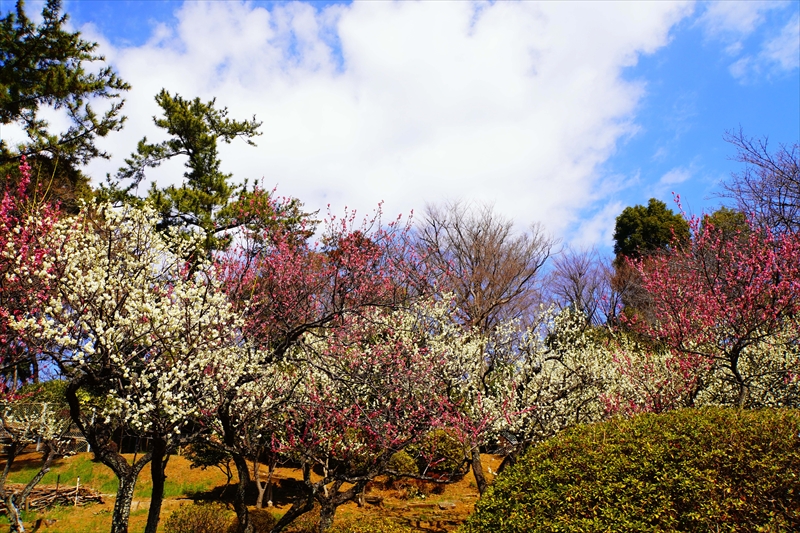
(698, 470)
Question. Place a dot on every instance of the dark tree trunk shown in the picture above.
(100, 438)
(509, 460)
(326, 513)
(15, 502)
(122, 506)
(302, 504)
(330, 500)
(477, 470)
(741, 386)
(239, 503)
(298, 508)
(8, 497)
(158, 468)
(12, 509)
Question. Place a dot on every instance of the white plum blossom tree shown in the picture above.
(519, 384)
(139, 331)
(27, 420)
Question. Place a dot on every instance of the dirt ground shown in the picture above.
(424, 507)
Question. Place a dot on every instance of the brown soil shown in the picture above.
(425, 507)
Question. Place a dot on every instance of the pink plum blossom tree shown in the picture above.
(727, 304)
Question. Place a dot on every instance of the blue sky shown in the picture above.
(562, 113)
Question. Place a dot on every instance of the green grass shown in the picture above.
(98, 476)
(174, 488)
(66, 472)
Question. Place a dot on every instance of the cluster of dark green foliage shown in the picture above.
(401, 464)
(439, 455)
(309, 523)
(714, 469)
(214, 517)
(203, 201)
(640, 230)
(52, 392)
(263, 521)
(199, 518)
(440, 452)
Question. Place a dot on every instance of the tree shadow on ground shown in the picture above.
(284, 492)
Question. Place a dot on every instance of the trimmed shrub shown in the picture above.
(309, 523)
(403, 464)
(199, 518)
(698, 470)
(263, 521)
(439, 452)
(371, 525)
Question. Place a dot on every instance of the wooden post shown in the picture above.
(77, 487)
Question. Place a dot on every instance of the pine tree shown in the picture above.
(194, 128)
(42, 66)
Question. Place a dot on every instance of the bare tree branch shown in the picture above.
(475, 253)
(768, 189)
(581, 280)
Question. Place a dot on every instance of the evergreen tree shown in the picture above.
(206, 201)
(42, 66)
(641, 230)
(729, 222)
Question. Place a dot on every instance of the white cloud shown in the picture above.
(733, 21)
(742, 67)
(665, 188)
(598, 230)
(784, 49)
(778, 55)
(516, 103)
(675, 176)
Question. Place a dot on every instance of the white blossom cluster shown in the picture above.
(648, 378)
(29, 422)
(530, 383)
(770, 370)
(128, 311)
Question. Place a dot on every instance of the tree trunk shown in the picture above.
(12, 511)
(272, 464)
(326, 513)
(100, 438)
(15, 502)
(297, 509)
(11, 454)
(122, 506)
(508, 461)
(477, 470)
(741, 385)
(259, 486)
(6, 494)
(158, 467)
(330, 500)
(239, 503)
